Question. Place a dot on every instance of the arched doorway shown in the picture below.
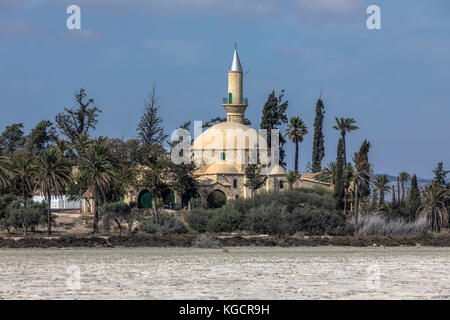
(145, 199)
(216, 199)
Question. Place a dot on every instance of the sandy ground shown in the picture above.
(240, 273)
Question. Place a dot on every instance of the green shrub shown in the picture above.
(163, 223)
(149, 226)
(267, 219)
(173, 226)
(25, 215)
(118, 212)
(198, 219)
(120, 208)
(316, 222)
(290, 199)
(224, 219)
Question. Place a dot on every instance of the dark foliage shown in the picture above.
(273, 117)
(339, 183)
(76, 122)
(318, 143)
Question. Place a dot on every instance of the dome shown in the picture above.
(277, 170)
(240, 137)
(222, 168)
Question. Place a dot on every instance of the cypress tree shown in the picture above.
(413, 197)
(364, 188)
(339, 188)
(150, 128)
(274, 116)
(440, 174)
(318, 144)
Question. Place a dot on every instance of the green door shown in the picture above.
(146, 200)
(172, 200)
(230, 98)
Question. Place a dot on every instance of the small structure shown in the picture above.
(88, 201)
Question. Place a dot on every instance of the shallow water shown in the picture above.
(242, 273)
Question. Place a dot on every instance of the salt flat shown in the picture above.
(241, 273)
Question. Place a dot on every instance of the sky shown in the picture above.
(395, 82)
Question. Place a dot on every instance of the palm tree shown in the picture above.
(97, 170)
(345, 125)
(53, 174)
(291, 178)
(295, 132)
(381, 184)
(63, 146)
(433, 209)
(83, 144)
(403, 177)
(362, 172)
(22, 171)
(330, 171)
(5, 173)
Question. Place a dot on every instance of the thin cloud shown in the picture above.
(248, 8)
(14, 28)
(13, 5)
(329, 8)
(82, 35)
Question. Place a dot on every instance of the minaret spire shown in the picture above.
(235, 104)
(236, 63)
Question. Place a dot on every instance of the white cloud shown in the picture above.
(248, 8)
(81, 35)
(340, 8)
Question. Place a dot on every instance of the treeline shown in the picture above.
(63, 158)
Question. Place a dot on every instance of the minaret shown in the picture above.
(235, 104)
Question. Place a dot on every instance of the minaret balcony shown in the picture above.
(235, 101)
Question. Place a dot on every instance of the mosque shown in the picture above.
(227, 147)
(225, 150)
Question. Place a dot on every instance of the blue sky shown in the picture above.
(394, 81)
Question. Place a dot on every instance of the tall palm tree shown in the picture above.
(53, 174)
(5, 173)
(296, 131)
(291, 178)
(22, 171)
(381, 184)
(433, 209)
(345, 125)
(362, 172)
(97, 170)
(403, 177)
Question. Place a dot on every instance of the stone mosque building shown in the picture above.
(224, 151)
(227, 147)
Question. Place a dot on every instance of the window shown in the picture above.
(281, 184)
(230, 98)
(222, 156)
(235, 183)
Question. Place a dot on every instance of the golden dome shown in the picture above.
(222, 168)
(240, 137)
(277, 170)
